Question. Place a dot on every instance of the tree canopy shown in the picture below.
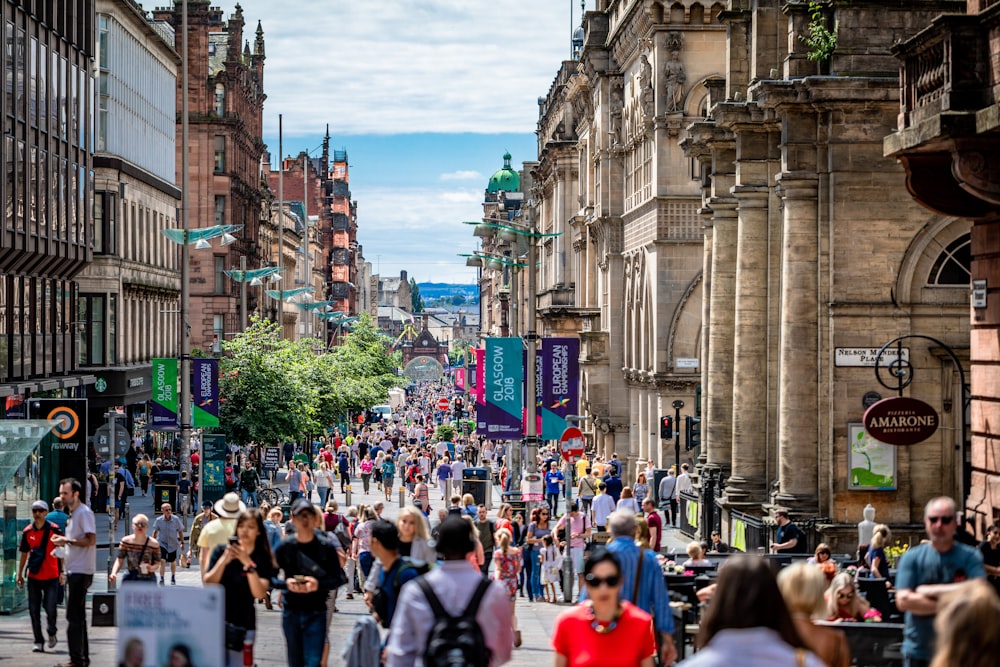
(273, 389)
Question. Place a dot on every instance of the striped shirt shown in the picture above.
(653, 598)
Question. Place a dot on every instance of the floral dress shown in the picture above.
(507, 566)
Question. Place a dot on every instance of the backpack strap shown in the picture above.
(477, 598)
(432, 599)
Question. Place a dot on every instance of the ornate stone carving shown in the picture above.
(646, 87)
(674, 76)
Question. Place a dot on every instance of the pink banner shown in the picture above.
(480, 375)
(460, 378)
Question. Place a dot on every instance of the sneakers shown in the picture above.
(37, 648)
(161, 581)
(173, 580)
(52, 641)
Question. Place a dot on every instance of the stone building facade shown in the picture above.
(129, 295)
(344, 241)
(947, 143)
(226, 102)
(814, 254)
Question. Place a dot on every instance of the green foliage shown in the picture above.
(416, 301)
(273, 389)
(445, 433)
(821, 41)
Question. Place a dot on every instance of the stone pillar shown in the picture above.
(798, 402)
(717, 429)
(750, 341)
(706, 318)
(633, 424)
(652, 426)
(641, 448)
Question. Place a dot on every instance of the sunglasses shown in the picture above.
(943, 520)
(595, 581)
(37, 509)
(845, 596)
(140, 524)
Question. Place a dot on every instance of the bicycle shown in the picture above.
(272, 496)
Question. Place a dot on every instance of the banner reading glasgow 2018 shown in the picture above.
(205, 389)
(504, 375)
(560, 363)
(164, 415)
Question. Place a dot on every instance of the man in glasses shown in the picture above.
(929, 571)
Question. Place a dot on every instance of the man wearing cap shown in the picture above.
(197, 525)
(454, 583)
(43, 581)
(216, 533)
(311, 569)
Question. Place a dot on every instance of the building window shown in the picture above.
(220, 100)
(105, 224)
(953, 266)
(90, 328)
(220, 277)
(220, 210)
(220, 154)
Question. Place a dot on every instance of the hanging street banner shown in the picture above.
(164, 414)
(500, 417)
(460, 378)
(560, 387)
(205, 392)
(480, 375)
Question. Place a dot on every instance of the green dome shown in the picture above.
(505, 179)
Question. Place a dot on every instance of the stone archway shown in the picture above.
(423, 369)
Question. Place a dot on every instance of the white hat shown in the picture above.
(230, 506)
(40, 505)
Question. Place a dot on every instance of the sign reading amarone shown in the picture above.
(901, 420)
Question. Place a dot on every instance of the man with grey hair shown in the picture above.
(642, 579)
(929, 571)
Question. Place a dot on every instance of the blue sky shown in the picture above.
(425, 95)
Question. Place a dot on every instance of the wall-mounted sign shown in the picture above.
(978, 294)
(870, 398)
(871, 465)
(686, 363)
(901, 420)
(864, 357)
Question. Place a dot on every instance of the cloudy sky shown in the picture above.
(425, 95)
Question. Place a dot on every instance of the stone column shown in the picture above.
(633, 423)
(706, 318)
(639, 427)
(717, 429)
(750, 341)
(798, 403)
(652, 425)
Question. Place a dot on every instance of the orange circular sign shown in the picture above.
(69, 422)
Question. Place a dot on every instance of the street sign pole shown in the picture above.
(677, 405)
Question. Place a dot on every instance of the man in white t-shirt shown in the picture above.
(457, 468)
(602, 506)
(79, 566)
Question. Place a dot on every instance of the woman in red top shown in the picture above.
(843, 602)
(603, 631)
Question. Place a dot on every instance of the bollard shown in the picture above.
(447, 491)
(111, 548)
(347, 498)
(402, 495)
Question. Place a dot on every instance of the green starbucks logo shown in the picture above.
(101, 385)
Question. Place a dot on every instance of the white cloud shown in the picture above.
(463, 175)
(393, 66)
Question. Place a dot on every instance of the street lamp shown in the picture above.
(255, 278)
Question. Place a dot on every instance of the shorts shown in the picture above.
(387, 481)
(168, 556)
(577, 555)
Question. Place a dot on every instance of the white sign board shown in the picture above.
(531, 488)
(686, 363)
(864, 357)
(871, 464)
(157, 626)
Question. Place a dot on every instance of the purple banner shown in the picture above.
(205, 392)
(500, 417)
(560, 390)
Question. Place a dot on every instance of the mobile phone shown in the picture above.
(234, 540)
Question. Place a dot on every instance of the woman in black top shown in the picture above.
(245, 567)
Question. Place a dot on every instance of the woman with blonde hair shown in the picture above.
(324, 482)
(966, 627)
(507, 563)
(642, 532)
(802, 586)
(696, 556)
(876, 558)
(843, 601)
(477, 557)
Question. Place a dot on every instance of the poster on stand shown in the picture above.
(170, 626)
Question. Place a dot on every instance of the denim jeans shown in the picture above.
(76, 618)
(43, 593)
(553, 500)
(250, 498)
(528, 570)
(305, 635)
(536, 576)
(365, 560)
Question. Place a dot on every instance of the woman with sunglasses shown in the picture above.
(604, 630)
(843, 602)
(138, 552)
(536, 530)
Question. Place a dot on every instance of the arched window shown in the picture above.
(953, 267)
(220, 100)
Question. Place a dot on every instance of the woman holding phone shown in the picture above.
(244, 566)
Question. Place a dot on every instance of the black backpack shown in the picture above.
(455, 641)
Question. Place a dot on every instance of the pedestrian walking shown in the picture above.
(554, 480)
(388, 473)
(344, 468)
(217, 532)
(294, 482)
(487, 537)
(79, 566)
(168, 530)
(138, 553)
(249, 483)
(324, 482)
(366, 472)
(43, 570)
(667, 494)
(507, 565)
(197, 525)
(310, 569)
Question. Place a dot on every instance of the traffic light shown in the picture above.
(693, 427)
(459, 408)
(666, 427)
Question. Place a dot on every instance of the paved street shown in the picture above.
(536, 619)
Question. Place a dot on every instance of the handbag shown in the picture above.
(235, 636)
(36, 557)
(136, 575)
(311, 568)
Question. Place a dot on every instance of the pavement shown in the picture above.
(536, 619)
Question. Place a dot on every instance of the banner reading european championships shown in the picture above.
(500, 417)
(560, 388)
(205, 389)
(164, 415)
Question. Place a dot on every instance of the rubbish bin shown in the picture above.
(165, 489)
(476, 481)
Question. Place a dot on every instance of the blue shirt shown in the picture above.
(924, 564)
(552, 479)
(614, 487)
(58, 517)
(653, 597)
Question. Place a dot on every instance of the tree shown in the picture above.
(416, 301)
(458, 300)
